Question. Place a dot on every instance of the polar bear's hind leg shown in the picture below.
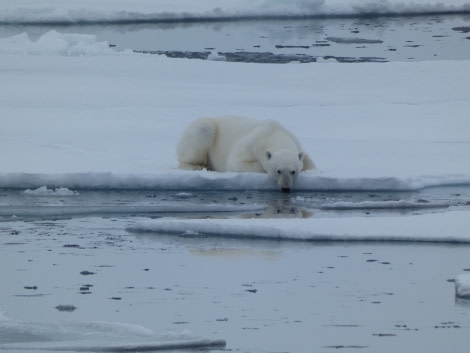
(193, 147)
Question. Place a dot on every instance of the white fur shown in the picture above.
(242, 145)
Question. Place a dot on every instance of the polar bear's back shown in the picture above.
(229, 131)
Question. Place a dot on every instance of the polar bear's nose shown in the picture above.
(285, 189)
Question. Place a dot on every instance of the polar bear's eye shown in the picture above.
(292, 172)
(278, 171)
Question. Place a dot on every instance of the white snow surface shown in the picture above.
(91, 11)
(76, 116)
(462, 285)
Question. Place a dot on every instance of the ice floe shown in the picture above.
(462, 285)
(447, 227)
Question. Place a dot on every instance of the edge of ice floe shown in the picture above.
(195, 344)
(204, 180)
(446, 227)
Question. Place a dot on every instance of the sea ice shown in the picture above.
(462, 285)
(44, 191)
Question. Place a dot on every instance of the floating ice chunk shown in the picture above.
(44, 191)
(184, 195)
(462, 285)
(215, 56)
(445, 227)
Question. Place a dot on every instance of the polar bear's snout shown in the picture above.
(284, 166)
(285, 179)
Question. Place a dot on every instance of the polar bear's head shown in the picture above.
(284, 166)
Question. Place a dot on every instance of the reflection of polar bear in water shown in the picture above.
(241, 145)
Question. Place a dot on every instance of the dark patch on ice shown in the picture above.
(352, 60)
(31, 287)
(462, 29)
(344, 325)
(406, 328)
(384, 334)
(279, 46)
(353, 40)
(251, 290)
(71, 246)
(85, 289)
(116, 298)
(340, 346)
(87, 273)
(67, 308)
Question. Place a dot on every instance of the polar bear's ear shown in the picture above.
(301, 156)
(268, 155)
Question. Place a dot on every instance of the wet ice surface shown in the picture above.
(83, 281)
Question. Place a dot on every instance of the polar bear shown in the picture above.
(237, 144)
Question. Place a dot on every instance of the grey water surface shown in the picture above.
(78, 279)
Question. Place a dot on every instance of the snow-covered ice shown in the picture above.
(451, 227)
(91, 120)
(122, 114)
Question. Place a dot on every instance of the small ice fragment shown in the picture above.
(68, 308)
(215, 56)
(462, 285)
(184, 195)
